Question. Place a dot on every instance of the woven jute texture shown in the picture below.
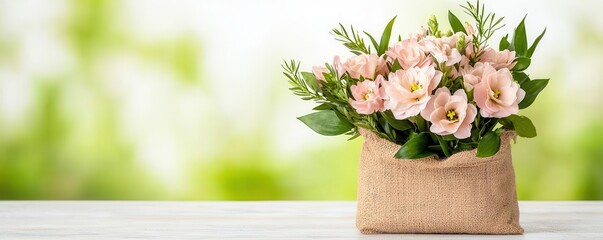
(461, 194)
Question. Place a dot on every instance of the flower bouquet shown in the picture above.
(446, 98)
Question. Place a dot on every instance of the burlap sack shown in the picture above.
(462, 194)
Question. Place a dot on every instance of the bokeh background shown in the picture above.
(185, 100)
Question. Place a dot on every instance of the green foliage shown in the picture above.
(532, 89)
(387, 32)
(455, 23)
(520, 41)
(415, 147)
(521, 63)
(521, 124)
(488, 145)
(533, 47)
(326, 123)
(354, 43)
(486, 24)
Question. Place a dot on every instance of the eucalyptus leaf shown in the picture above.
(414, 148)
(455, 23)
(532, 89)
(326, 123)
(522, 125)
(488, 145)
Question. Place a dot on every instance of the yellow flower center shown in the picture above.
(496, 93)
(451, 115)
(368, 95)
(415, 87)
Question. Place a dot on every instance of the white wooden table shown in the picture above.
(254, 220)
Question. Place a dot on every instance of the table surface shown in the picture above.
(255, 220)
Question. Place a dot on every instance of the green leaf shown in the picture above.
(449, 137)
(444, 146)
(375, 44)
(311, 81)
(401, 125)
(520, 41)
(414, 148)
(455, 23)
(522, 125)
(520, 77)
(324, 106)
(533, 47)
(488, 145)
(532, 89)
(396, 66)
(522, 63)
(504, 43)
(326, 123)
(387, 32)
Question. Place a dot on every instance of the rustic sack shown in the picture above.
(462, 194)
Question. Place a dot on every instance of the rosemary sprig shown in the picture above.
(355, 43)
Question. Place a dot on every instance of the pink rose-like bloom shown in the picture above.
(407, 91)
(450, 114)
(442, 49)
(496, 94)
(318, 72)
(474, 75)
(502, 59)
(367, 96)
(409, 54)
(464, 67)
(419, 34)
(367, 66)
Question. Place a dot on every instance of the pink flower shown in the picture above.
(419, 34)
(496, 94)
(318, 72)
(442, 49)
(367, 66)
(367, 96)
(450, 114)
(502, 59)
(464, 67)
(474, 75)
(469, 29)
(407, 91)
(409, 54)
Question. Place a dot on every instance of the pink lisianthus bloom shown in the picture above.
(407, 91)
(409, 54)
(474, 75)
(502, 59)
(367, 96)
(469, 29)
(367, 66)
(450, 114)
(419, 34)
(442, 49)
(318, 72)
(464, 67)
(496, 94)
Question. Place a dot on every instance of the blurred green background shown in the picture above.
(184, 100)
